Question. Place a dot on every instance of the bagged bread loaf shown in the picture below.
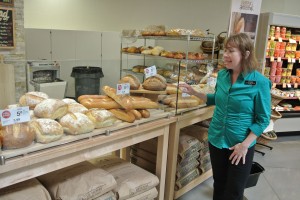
(51, 108)
(46, 130)
(131, 179)
(76, 123)
(30, 189)
(155, 83)
(31, 99)
(80, 181)
(101, 118)
(133, 81)
(16, 136)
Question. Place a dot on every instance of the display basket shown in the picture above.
(265, 138)
(276, 96)
(275, 115)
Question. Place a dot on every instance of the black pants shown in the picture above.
(229, 179)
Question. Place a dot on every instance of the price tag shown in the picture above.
(293, 60)
(296, 85)
(274, 85)
(123, 88)
(292, 41)
(272, 38)
(289, 85)
(289, 60)
(185, 94)
(272, 58)
(150, 71)
(280, 39)
(14, 116)
(279, 59)
(284, 85)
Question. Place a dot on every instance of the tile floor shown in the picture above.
(279, 181)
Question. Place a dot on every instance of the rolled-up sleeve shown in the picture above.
(262, 108)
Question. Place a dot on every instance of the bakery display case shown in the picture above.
(173, 57)
(278, 50)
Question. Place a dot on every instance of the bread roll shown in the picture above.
(108, 103)
(132, 80)
(46, 130)
(123, 115)
(16, 136)
(76, 107)
(76, 123)
(101, 118)
(155, 83)
(31, 99)
(145, 113)
(51, 108)
(123, 100)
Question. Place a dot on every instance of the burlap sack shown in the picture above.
(150, 167)
(131, 179)
(204, 159)
(80, 181)
(182, 171)
(143, 154)
(27, 190)
(180, 183)
(187, 145)
(199, 132)
(182, 162)
(204, 167)
(107, 196)
(148, 195)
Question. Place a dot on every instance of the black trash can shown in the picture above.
(256, 170)
(87, 80)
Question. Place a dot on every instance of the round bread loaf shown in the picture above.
(51, 108)
(132, 80)
(31, 99)
(156, 83)
(76, 107)
(76, 123)
(46, 130)
(16, 136)
(69, 100)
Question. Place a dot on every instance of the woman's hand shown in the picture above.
(239, 151)
(186, 88)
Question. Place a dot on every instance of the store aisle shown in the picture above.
(279, 181)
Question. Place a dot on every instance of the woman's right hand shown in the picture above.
(186, 88)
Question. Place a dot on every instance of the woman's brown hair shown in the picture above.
(244, 43)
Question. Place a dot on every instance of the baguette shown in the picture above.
(136, 114)
(100, 103)
(86, 96)
(145, 113)
(184, 103)
(123, 100)
(143, 103)
(123, 115)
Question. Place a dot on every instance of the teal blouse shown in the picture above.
(239, 108)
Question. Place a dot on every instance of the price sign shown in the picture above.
(289, 60)
(284, 85)
(185, 94)
(150, 71)
(289, 85)
(123, 88)
(272, 38)
(280, 39)
(272, 58)
(279, 59)
(14, 115)
(292, 41)
(293, 60)
(296, 85)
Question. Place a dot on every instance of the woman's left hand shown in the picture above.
(239, 151)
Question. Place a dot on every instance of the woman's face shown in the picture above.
(232, 58)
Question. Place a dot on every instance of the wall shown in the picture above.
(16, 56)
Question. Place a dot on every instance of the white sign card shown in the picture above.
(14, 115)
(123, 88)
(150, 71)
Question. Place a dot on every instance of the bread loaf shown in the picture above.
(136, 114)
(46, 130)
(108, 103)
(172, 89)
(31, 99)
(143, 103)
(101, 118)
(68, 100)
(76, 123)
(51, 108)
(184, 103)
(132, 80)
(123, 100)
(123, 115)
(16, 136)
(76, 107)
(145, 113)
(155, 83)
(86, 96)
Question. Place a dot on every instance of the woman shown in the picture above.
(242, 111)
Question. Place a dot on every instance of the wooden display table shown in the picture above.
(37, 163)
(184, 120)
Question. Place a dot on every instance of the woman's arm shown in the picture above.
(189, 90)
